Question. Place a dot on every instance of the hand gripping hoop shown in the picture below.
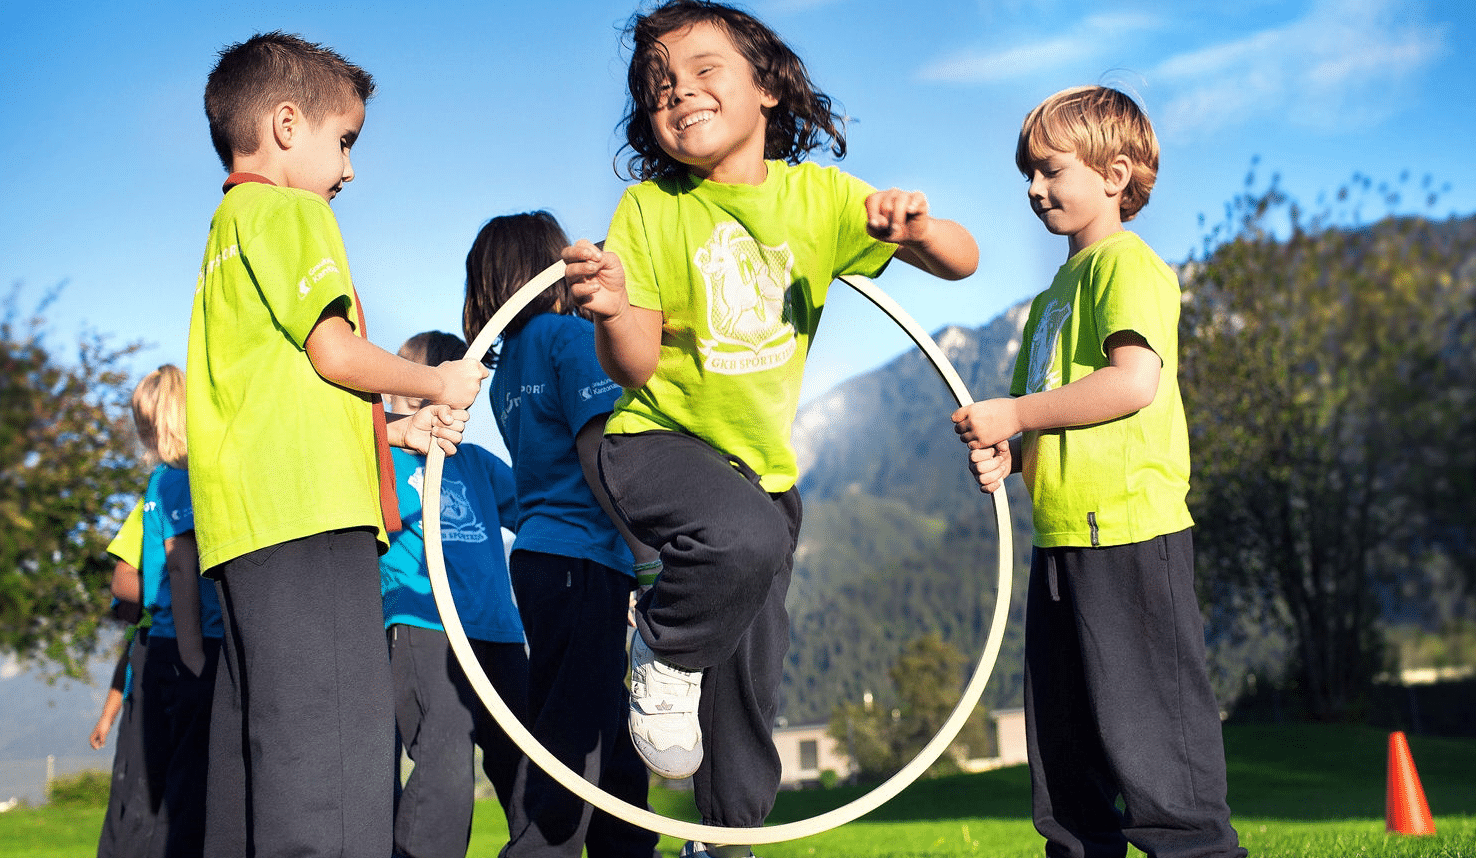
(436, 562)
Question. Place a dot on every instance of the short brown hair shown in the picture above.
(159, 415)
(1097, 123)
(254, 76)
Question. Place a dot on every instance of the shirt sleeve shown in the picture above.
(178, 513)
(857, 252)
(299, 264)
(629, 241)
(1132, 293)
(585, 391)
(127, 545)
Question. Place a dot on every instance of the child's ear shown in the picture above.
(1119, 173)
(287, 121)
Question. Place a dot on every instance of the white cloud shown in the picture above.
(10, 668)
(1086, 42)
(1340, 66)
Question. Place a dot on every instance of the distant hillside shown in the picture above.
(897, 541)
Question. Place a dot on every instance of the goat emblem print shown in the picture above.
(750, 318)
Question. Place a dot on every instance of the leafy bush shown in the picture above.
(83, 789)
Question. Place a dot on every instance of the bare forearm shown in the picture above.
(348, 360)
(1106, 394)
(629, 345)
(947, 251)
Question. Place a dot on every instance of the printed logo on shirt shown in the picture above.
(510, 403)
(215, 262)
(459, 521)
(750, 313)
(1045, 372)
(597, 389)
(324, 267)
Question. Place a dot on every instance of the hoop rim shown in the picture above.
(555, 768)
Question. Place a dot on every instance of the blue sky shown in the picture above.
(492, 108)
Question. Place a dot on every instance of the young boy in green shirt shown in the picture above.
(1118, 703)
(288, 443)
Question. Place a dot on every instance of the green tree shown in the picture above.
(69, 471)
(1330, 419)
(928, 676)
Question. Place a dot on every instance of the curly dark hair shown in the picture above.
(803, 121)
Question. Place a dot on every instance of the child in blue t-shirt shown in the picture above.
(571, 562)
(437, 714)
(185, 633)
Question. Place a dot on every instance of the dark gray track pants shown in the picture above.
(727, 547)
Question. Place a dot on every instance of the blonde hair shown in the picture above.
(159, 415)
(1097, 123)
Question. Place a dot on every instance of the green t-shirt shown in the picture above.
(127, 544)
(740, 274)
(276, 452)
(1122, 481)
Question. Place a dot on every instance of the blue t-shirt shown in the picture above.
(549, 385)
(474, 484)
(167, 513)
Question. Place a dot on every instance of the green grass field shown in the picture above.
(1299, 791)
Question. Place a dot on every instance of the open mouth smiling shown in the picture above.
(692, 119)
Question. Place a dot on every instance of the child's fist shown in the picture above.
(596, 279)
(990, 465)
(897, 216)
(435, 424)
(461, 381)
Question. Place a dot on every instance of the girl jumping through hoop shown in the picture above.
(705, 298)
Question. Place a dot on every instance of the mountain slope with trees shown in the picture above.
(1327, 370)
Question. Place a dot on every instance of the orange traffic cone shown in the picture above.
(1406, 811)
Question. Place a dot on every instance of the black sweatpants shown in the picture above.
(130, 819)
(727, 548)
(1118, 705)
(176, 740)
(439, 719)
(302, 732)
(575, 616)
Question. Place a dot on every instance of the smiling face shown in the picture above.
(711, 114)
(1074, 200)
(319, 154)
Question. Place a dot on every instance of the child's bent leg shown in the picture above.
(313, 684)
(723, 541)
(739, 777)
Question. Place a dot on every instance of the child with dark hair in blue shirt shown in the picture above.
(571, 565)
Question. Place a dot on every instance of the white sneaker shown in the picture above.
(663, 713)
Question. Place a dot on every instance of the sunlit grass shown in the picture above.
(1298, 791)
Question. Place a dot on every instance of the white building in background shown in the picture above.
(805, 751)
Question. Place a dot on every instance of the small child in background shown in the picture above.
(125, 549)
(439, 718)
(1118, 703)
(292, 478)
(129, 819)
(185, 628)
(571, 561)
(705, 299)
